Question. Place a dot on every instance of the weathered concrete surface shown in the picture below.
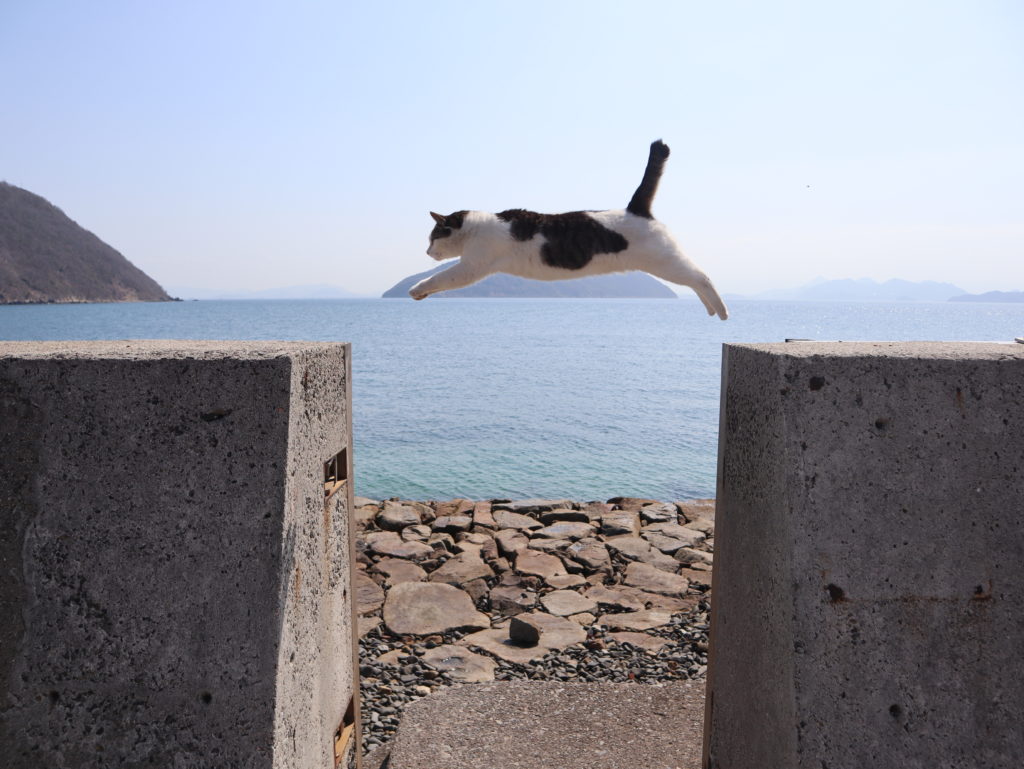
(173, 585)
(547, 725)
(867, 604)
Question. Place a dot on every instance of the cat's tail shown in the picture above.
(640, 205)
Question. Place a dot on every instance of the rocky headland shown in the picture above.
(468, 591)
(46, 257)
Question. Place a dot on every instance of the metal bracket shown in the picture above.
(335, 472)
(343, 736)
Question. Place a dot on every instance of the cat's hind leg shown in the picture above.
(458, 275)
(679, 269)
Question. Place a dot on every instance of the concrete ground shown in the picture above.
(546, 724)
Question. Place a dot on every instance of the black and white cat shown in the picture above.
(561, 246)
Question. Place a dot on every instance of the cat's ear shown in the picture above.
(437, 217)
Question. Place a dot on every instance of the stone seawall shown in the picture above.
(467, 591)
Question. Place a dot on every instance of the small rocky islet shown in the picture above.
(467, 591)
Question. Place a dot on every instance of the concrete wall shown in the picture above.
(868, 601)
(173, 586)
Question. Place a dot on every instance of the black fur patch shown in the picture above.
(572, 239)
(451, 222)
(640, 204)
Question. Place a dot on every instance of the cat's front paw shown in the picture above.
(418, 293)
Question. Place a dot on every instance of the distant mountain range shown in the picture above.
(311, 291)
(47, 257)
(991, 296)
(626, 285)
(865, 290)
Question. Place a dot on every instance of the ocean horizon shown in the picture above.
(583, 399)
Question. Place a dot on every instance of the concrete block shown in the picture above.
(867, 605)
(174, 580)
(551, 725)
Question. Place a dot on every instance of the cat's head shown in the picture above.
(446, 237)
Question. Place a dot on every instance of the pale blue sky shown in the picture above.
(249, 145)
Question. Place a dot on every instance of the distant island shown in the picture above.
(990, 296)
(627, 285)
(45, 257)
(864, 290)
(310, 291)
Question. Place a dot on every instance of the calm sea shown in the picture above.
(481, 398)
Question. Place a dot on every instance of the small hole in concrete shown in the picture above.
(882, 422)
(54, 697)
(895, 711)
(835, 593)
(817, 382)
(206, 697)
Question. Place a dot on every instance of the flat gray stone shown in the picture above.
(615, 597)
(511, 541)
(647, 619)
(564, 514)
(558, 633)
(688, 556)
(390, 544)
(453, 507)
(399, 570)
(654, 580)
(629, 546)
(460, 663)
(532, 505)
(461, 569)
(441, 541)
(483, 517)
(422, 608)
(661, 512)
(369, 595)
(512, 599)
(660, 542)
(539, 564)
(364, 516)
(469, 548)
(591, 554)
(366, 624)
(562, 581)
(583, 618)
(475, 537)
(571, 530)
(696, 509)
(452, 523)
(703, 525)
(477, 589)
(509, 520)
(687, 536)
(562, 603)
(549, 545)
(596, 509)
(620, 522)
(419, 532)
(699, 578)
(667, 603)
(394, 517)
(547, 724)
(639, 549)
(632, 504)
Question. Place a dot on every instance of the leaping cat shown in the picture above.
(562, 246)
